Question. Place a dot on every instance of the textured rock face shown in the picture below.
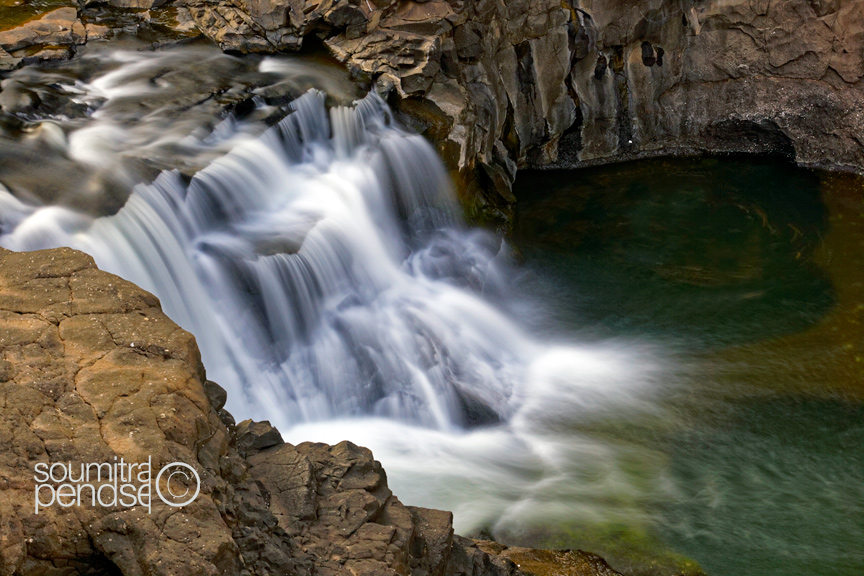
(724, 76)
(90, 369)
(53, 36)
(486, 80)
(498, 85)
(503, 85)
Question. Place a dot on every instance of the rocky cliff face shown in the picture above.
(485, 80)
(92, 371)
(748, 76)
(503, 85)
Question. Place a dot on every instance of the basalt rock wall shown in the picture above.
(503, 84)
(740, 76)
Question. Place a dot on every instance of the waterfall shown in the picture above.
(323, 268)
(317, 252)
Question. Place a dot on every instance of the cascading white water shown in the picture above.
(334, 290)
(316, 270)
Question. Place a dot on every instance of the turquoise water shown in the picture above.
(749, 275)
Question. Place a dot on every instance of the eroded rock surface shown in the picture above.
(50, 37)
(90, 369)
(499, 85)
(781, 77)
(502, 85)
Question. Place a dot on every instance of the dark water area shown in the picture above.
(706, 252)
(750, 275)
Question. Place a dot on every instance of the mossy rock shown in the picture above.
(630, 551)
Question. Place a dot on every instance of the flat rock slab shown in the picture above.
(56, 28)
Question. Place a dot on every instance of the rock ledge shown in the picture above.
(92, 369)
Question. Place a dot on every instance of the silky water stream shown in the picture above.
(673, 368)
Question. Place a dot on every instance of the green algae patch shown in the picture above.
(627, 549)
(14, 13)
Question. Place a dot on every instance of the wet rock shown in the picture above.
(548, 562)
(7, 61)
(252, 436)
(467, 558)
(227, 419)
(215, 394)
(97, 32)
(56, 28)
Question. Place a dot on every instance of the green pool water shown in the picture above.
(748, 277)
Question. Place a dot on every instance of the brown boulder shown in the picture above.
(92, 370)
